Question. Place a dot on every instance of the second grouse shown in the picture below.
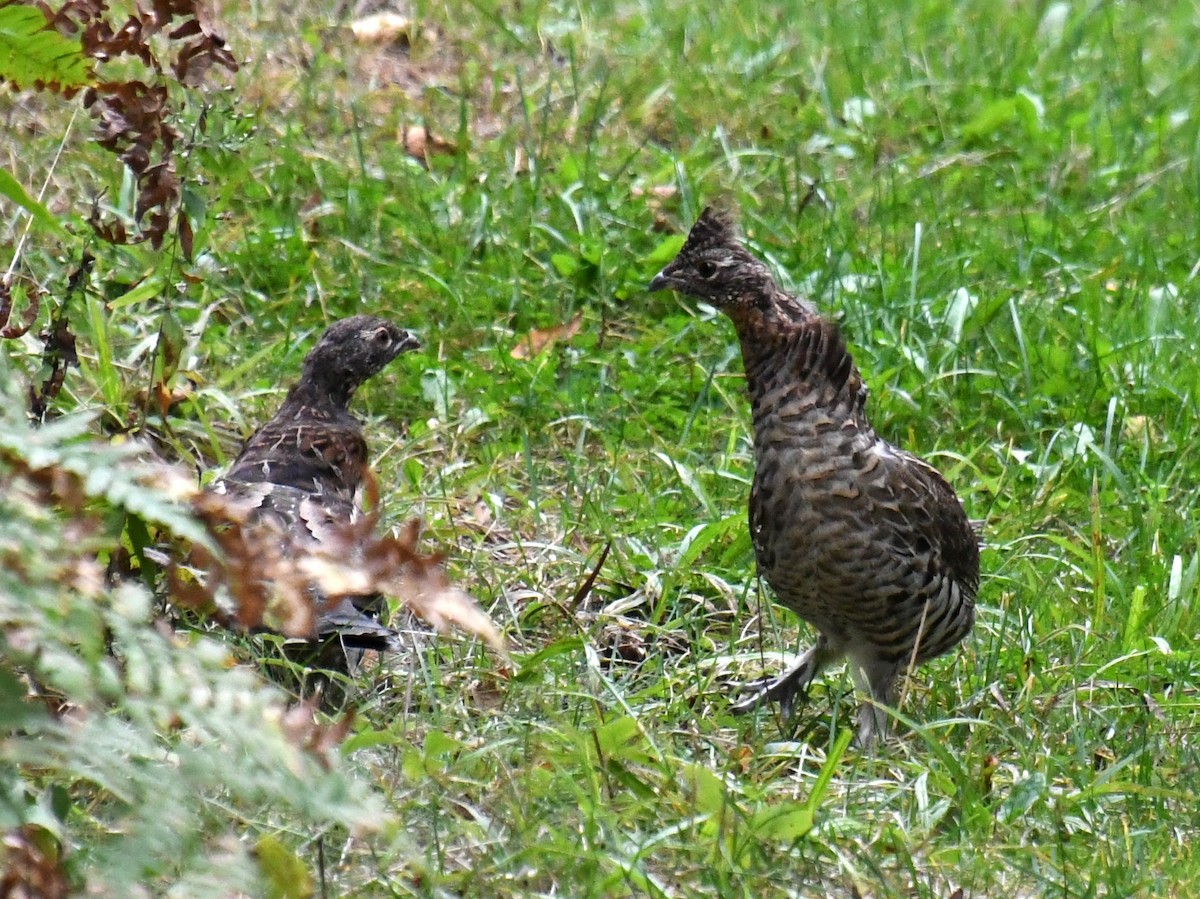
(304, 469)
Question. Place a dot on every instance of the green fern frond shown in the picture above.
(30, 53)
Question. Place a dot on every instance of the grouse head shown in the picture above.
(351, 351)
(714, 266)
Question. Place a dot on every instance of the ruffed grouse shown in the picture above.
(866, 542)
(304, 468)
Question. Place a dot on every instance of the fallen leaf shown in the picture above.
(32, 864)
(744, 757)
(165, 398)
(520, 164)
(1140, 427)
(540, 340)
(380, 28)
(488, 694)
(621, 643)
(655, 197)
(658, 191)
(481, 513)
(420, 143)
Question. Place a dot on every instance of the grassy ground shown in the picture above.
(1000, 201)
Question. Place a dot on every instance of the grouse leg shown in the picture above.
(877, 678)
(784, 688)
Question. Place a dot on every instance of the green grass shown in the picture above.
(1006, 220)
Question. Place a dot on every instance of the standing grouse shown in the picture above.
(866, 542)
(302, 471)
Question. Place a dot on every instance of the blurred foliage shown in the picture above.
(144, 758)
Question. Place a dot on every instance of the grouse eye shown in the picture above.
(382, 337)
(706, 269)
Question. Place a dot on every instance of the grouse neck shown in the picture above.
(325, 390)
(763, 356)
(804, 360)
(765, 336)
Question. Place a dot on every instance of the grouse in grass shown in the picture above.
(304, 469)
(865, 541)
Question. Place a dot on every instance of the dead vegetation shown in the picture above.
(265, 576)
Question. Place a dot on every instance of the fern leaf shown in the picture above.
(31, 54)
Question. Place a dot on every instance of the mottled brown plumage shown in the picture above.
(303, 470)
(866, 542)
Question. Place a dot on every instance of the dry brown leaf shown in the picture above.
(164, 398)
(539, 340)
(431, 596)
(383, 27)
(418, 581)
(256, 580)
(420, 143)
(283, 579)
(744, 757)
(621, 643)
(482, 514)
(32, 864)
(300, 726)
(421, 583)
(33, 294)
(488, 693)
(132, 108)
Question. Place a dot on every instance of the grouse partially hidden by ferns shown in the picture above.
(304, 469)
(866, 542)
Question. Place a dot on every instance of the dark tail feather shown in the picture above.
(330, 659)
(354, 630)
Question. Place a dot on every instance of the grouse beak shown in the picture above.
(408, 342)
(661, 281)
